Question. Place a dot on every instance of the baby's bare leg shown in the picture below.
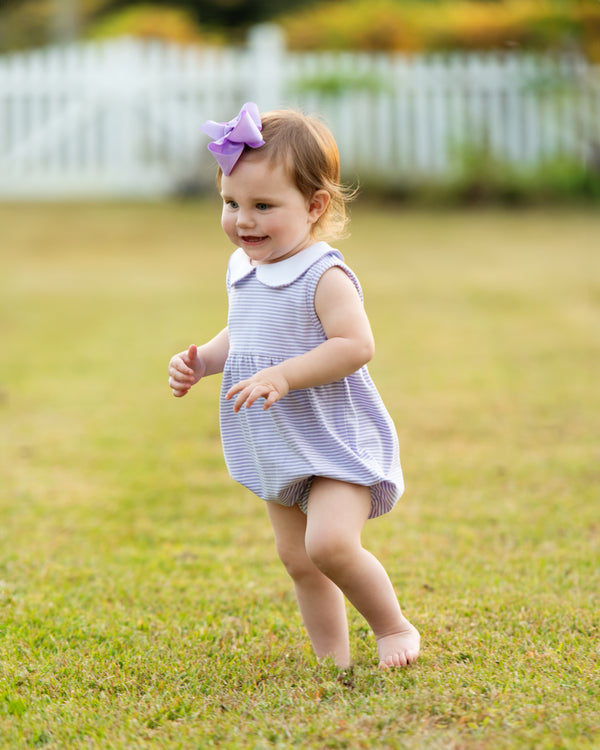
(337, 512)
(321, 602)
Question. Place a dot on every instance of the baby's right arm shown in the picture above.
(188, 367)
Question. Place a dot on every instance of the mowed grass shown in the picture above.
(141, 601)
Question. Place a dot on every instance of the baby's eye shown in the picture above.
(262, 206)
(231, 204)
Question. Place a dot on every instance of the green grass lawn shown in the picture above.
(142, 604)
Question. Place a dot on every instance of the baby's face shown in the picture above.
(264, 213)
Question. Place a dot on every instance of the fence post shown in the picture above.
(265, 66)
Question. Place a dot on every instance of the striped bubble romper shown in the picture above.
(340, 430)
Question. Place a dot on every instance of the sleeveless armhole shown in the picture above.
(314, 275)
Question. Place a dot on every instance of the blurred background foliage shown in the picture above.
(376, 25)
(448, 24)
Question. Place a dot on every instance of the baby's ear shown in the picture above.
(318, 204)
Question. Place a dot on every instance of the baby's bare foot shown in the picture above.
(399, 649)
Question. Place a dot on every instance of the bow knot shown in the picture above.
(230, 138)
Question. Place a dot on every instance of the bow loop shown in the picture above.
(230, 138)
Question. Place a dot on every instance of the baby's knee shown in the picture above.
(329, 552)
(296, 562)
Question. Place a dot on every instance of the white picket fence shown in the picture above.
(122, 117)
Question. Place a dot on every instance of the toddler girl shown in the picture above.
(302, 424)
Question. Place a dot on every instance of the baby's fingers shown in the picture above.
(179, 367)
(243, 389)
(247, 393)
(178, 378)
(179, 392)
(259, 391)
(271, 399)
(247, 396)
(236, 389)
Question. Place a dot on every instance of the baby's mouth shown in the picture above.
(253, 240)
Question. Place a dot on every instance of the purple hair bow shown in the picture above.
(231, 137)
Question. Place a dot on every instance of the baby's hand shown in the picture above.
(185, 369)
(267, 384)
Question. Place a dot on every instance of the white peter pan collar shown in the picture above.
(282, 273)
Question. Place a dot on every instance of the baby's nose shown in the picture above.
(244, 219)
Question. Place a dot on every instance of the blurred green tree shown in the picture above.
(229, 14)
(25, 23)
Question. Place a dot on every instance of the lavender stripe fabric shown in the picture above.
(339, 430)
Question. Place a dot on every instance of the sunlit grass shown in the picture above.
(141, 601)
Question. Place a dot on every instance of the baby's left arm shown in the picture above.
(348, 347)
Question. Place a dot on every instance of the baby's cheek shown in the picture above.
(228, 227)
